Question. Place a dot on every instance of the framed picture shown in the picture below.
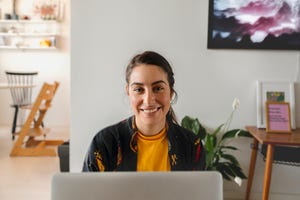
(278, 117)
(272, 91)
(47, 9)
(253, 24)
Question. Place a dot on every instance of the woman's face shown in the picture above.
(150, 95)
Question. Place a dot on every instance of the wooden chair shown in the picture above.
(27, 143)
(21, 85)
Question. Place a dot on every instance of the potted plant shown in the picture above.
(217, 147)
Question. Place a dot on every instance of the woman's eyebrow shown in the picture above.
(157, 82)
(136, 83)
(154, 83)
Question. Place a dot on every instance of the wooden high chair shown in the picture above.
(27, 144)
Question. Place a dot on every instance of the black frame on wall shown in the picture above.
(233, 27)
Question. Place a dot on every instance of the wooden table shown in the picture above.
(271, 140)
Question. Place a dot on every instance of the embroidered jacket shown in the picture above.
(115, 149)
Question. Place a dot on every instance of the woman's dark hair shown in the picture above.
(153, 58)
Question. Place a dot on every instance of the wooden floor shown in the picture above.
(27, 178)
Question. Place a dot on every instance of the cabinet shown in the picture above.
(28, 34)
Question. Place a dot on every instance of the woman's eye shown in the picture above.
(158, 89)
(138, 90)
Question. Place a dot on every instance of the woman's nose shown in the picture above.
(149, 97)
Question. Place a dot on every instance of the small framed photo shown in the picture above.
(278, 117)
(274, 91)
(47, 9)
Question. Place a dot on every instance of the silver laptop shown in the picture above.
(185, 185)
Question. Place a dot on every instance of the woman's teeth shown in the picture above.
(150, 111)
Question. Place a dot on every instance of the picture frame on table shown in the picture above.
(278, 117)
(274, 91)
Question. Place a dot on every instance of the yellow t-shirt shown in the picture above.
(153, 152)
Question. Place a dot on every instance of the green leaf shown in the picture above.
(244, 133)
(202, 131)
(228, 170)
(228, 147)
(209, 158)
(225, 175)
(231, 158)
(238, 171)
(189, 123)
(193, 125)
(222, 169)
(210, 142)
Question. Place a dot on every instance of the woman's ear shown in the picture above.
(171, 95)
(127, 89)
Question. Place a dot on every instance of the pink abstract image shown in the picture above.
(261, 24)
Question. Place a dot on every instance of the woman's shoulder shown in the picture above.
(114, 130)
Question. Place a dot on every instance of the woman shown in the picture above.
(151, 139)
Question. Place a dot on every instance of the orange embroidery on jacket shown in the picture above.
(99, 161)
(174, 159)
(119, 156)
(133, 140)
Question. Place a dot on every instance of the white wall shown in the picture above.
(106, 34)
(51, 65)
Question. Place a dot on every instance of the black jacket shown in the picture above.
(115, 149)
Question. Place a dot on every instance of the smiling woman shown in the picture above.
(151, 139)
(150, 97)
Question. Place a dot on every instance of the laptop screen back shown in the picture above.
(185, 185)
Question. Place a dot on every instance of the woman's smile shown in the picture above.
(150, 110)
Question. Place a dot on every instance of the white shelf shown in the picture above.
(37, 21)
(27, 48)
(27, 34)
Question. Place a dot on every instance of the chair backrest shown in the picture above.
(42, 103)
(21, 84)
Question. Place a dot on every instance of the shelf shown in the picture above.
(11, 21)
(28, 34)
(26, 48)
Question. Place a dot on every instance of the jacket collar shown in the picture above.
(133, 132)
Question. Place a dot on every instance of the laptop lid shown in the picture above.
(196, 185)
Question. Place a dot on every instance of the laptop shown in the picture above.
(183, 185)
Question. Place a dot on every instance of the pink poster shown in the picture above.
(278, 117)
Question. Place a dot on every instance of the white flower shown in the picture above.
(235, 103)
(238, 181)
